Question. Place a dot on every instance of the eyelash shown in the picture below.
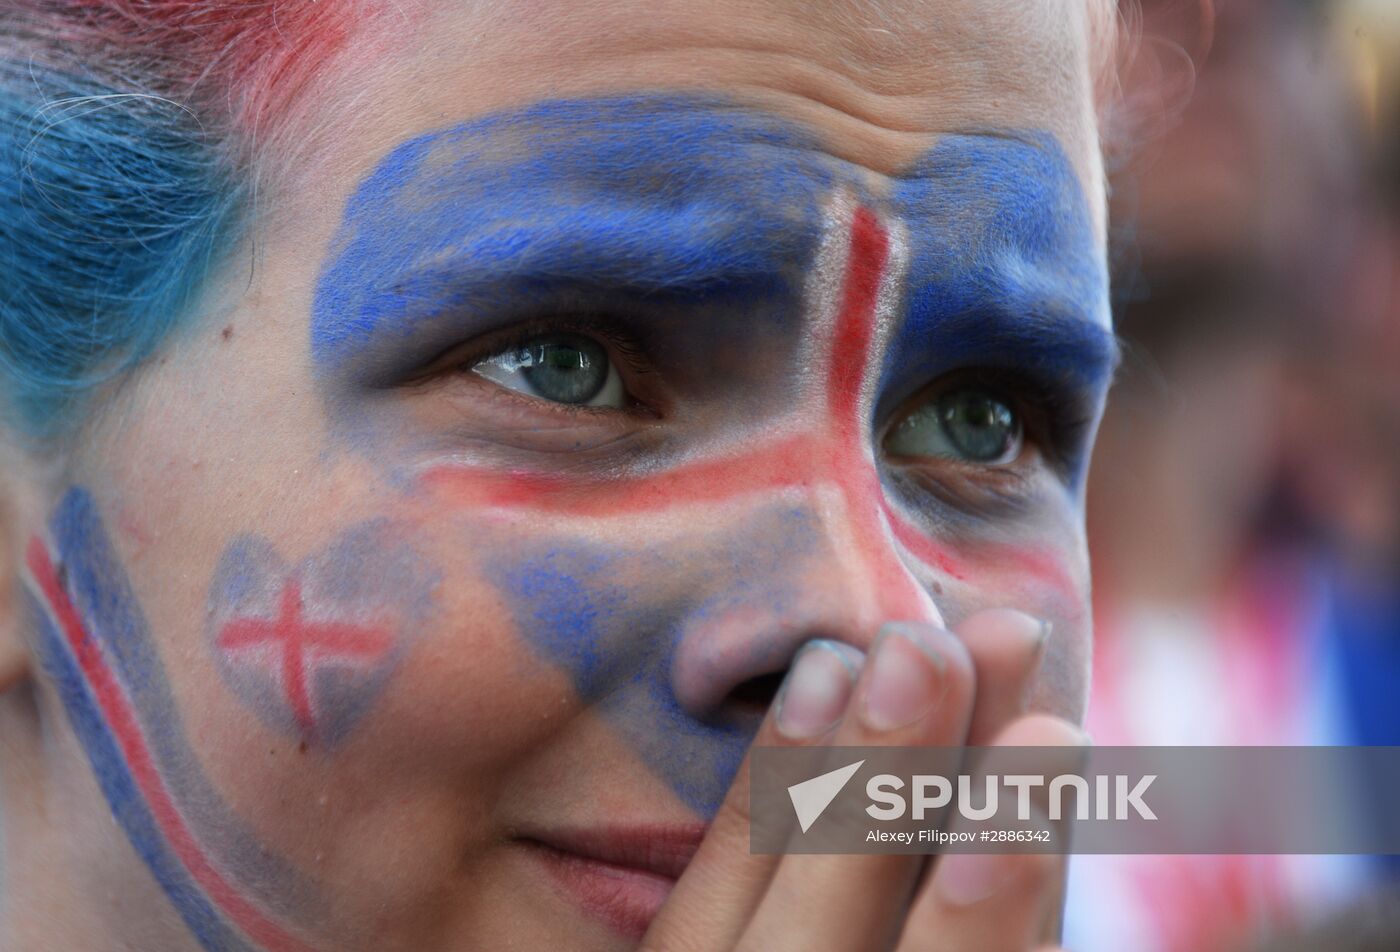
(620, 345)
(1051, 418)
(607, 332)
(1049, 422)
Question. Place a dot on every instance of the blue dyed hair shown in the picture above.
(114, 205)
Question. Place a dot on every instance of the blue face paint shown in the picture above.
(605, 615)
(1004, 272)
(128, 806)
(566, 206)
(704, 216)
(110, 665)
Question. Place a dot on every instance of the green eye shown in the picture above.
(561, 368)
(972, 425)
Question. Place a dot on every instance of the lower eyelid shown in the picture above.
(972, 487)
(467, 414)
(513, 409)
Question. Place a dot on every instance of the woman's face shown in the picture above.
(607, 353)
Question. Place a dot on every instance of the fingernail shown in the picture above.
(815, 692)
(966, 878)
(1035, 631)
(907, 678)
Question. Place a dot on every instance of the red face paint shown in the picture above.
(115, 705)
(301, 643)
(832, 453)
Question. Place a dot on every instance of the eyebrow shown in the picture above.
(1055, 346)
(651, 196)
(1005, 270)
(687, 199)
(592, 250)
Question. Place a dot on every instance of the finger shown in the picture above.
(983, 902)
(989, 902)
(723, 884)
(1006, 648)
(915, 690)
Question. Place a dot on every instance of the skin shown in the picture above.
(387, 801)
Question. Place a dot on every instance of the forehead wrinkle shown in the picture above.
(862, 67)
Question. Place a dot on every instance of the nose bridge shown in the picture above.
(861, 569)
(835, 573)
(850, 576)
(867, 253)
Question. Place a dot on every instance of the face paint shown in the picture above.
(832, 451)
(1004, 271)
(309, 647)
(232, 892)
(659, 198)
(605, 614)
(980, 254)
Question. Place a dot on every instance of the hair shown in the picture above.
(132, 133)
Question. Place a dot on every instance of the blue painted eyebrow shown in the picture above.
(686, 199)
(1005, 270)
(651, 196)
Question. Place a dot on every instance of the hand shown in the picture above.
(921, 686)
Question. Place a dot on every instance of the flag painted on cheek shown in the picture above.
(228, 887)
(981, 253)
(309, 647)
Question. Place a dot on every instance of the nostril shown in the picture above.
(757, 693)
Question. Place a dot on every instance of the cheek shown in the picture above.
(417, 698)
(309, 644)
(390, 646)
(620, 608)
(1048, 578)
(416, 656)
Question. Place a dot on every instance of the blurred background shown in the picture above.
(1244, 513)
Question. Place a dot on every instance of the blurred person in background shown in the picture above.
(1341, 452)
(1243, 503)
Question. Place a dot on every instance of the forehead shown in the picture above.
(878, 79)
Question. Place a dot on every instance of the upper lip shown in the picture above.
(662, 850)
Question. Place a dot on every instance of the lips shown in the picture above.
(620, 876)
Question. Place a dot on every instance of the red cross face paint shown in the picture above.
(821, 448)
(895, 377)
(308, 647)
(823, 443)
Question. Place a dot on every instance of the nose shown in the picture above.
(825, 568)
